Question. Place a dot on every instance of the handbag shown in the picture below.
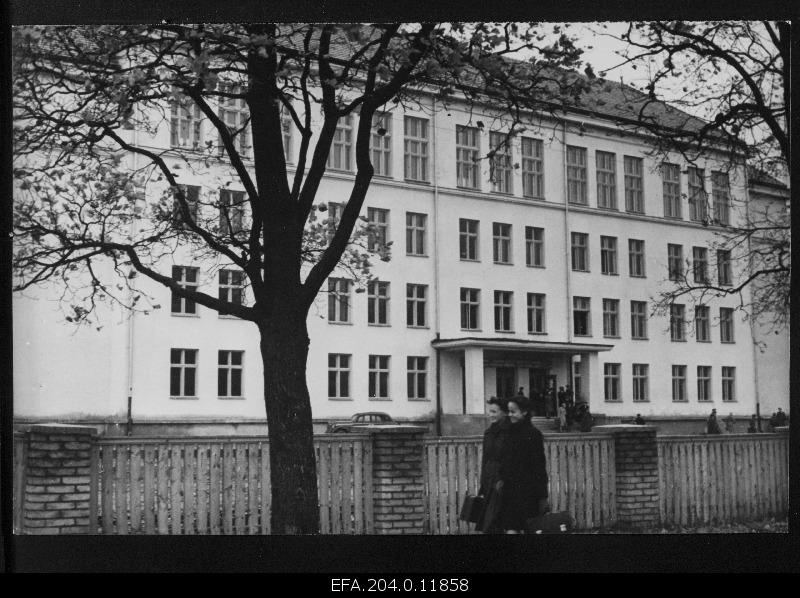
(549, 523)
(472, 509)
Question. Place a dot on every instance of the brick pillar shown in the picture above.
(58, 480)
(397, 479)
(636, 463)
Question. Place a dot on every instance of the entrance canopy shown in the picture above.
(507, 344)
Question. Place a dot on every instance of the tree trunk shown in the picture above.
(293, 470)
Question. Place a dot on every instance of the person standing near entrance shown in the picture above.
(495, 445)
(712, 425)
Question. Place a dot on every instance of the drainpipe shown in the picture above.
(752, 323)
(436, 286)
(567, 255)
(132, 233)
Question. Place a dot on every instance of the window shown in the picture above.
(534, 246)
(677, 323)
(185, 123)
(502, 311)
(698, 210)
(703, 382)
(229, 374)
(381, 143)
(415, 304)
(611, 381)
(724, 270)
(671, 185)
(678, 383)
(606, 163)
(191, 194)
(468, 239)
(501, 168)
(536, 319)
(728, 384)
(415, 233)
(378, 221)
(721, 197)
(501, 242)
(417, 378)
(467, 149)
(233, 112)
(186, 277)
(182, 372)
(287, 124)
(640, 390)
(378, 376)
(339, 300)
(470, 309)
(532, 168)
(636, 258)
(231, 211)
(726, 324)
(700, 264)
(634, 184)
(576, 175)
(580, 316)
(675, 261)
(338, 376)
(611, 317)
(580, 252)
(416, 149)
(378, 302)
(701, 323)
(608, 255)
(639, 320)
(340, 154)
(231, 286)
(576, 378)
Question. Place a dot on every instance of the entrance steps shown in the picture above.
(542, 423)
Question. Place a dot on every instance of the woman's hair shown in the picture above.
(523, 403)
(501, 403)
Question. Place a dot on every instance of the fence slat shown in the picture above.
(324, 487)
(336, 488)
(240, 504)
(189, 490)
(266, 494)
(108, 489)
(228, 468)
(202, 487)
(136, 489)
(215, 488)
(252, 488)
(347, 489)
(452, 489)
(149, 489)
(462, 480)
(358, 486)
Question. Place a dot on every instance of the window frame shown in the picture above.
(339, 300)
(721, 200)
(341, 376)
(416, 132)
(702, 323)
(638, 319)
(469, 240)
(577, 175)
(677, 322)
(343, 143)
(586, 310)
(612, 380)
(502, 243)
(413, 302)
(728, 380)
(468, 173)
(380, 146)
(611, 318)
(417, 378)
(679, 377)
(379, 236)
(704, 384)
(503, 311)
(536, 310)
(469, 305)
(633, 169)
(724, 268)
(640, 376)
(671, 190)
(700, 265)
(606, 177)
(416, 234)
(230, 368)
(726, 324)
(675, 269)
(636, 257)
(379, 368)
(698, 196)
(183, 366)
(377, 296)
(532, 167)
(579, 251)
(608, 256)
(188, 307)
(226, 289)
(501, 170)
(534, 246)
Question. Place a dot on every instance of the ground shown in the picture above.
(765, 526)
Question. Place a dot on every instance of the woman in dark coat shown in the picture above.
(522, 470)
(495, 443)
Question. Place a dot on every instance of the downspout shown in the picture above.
(567, 256)
(436, 298)
(131, 273)
(752, 323)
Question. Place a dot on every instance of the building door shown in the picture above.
(506, 379)
(538, 385)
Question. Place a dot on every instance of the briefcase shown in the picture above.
(549, 523)
(472, 509)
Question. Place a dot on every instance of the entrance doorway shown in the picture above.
(538, 385)
(506, 379)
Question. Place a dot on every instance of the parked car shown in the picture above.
(360, 420)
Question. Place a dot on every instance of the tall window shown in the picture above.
(536, 315)
(728, 384)
(606, 163)
(191, 194)
(634, 184)
(576, 175)
(639, 320)
(611, 317)
(721, 197)
(231, 286)
(677, 322)
(702, 331)
(378, 222)
(580, 252)
(338, 376)
(703, 382)
(467, 149)
(234, 113)
(501, 234)
(636, 258)
(338, 300)
(671, 185)
(678, 383)
(415, 304)
(229, 374)
(501, 167)
(726, 324)
(378, 302)
(611, 381)
(287, 124)
(532, 168)
(381, 143)
(468, 239)
(470, 309)
(182, 372)
(675, 261)
(231, 211)
(185, 124)
(378, 376)
(416, 148)
(724, 270)
(698, 202)
(416, 225)
(700, 264)
(581, 307)
(534, 246)
(640, 385)
(417, 378)
(608, 255)
(186, 277)
(340, 155)
(502, 311)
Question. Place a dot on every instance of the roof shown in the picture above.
(758, 176)
(512, 344)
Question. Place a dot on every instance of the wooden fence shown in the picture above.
(19, 479)
(580, 469)
(722, 479)
(221, 485)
